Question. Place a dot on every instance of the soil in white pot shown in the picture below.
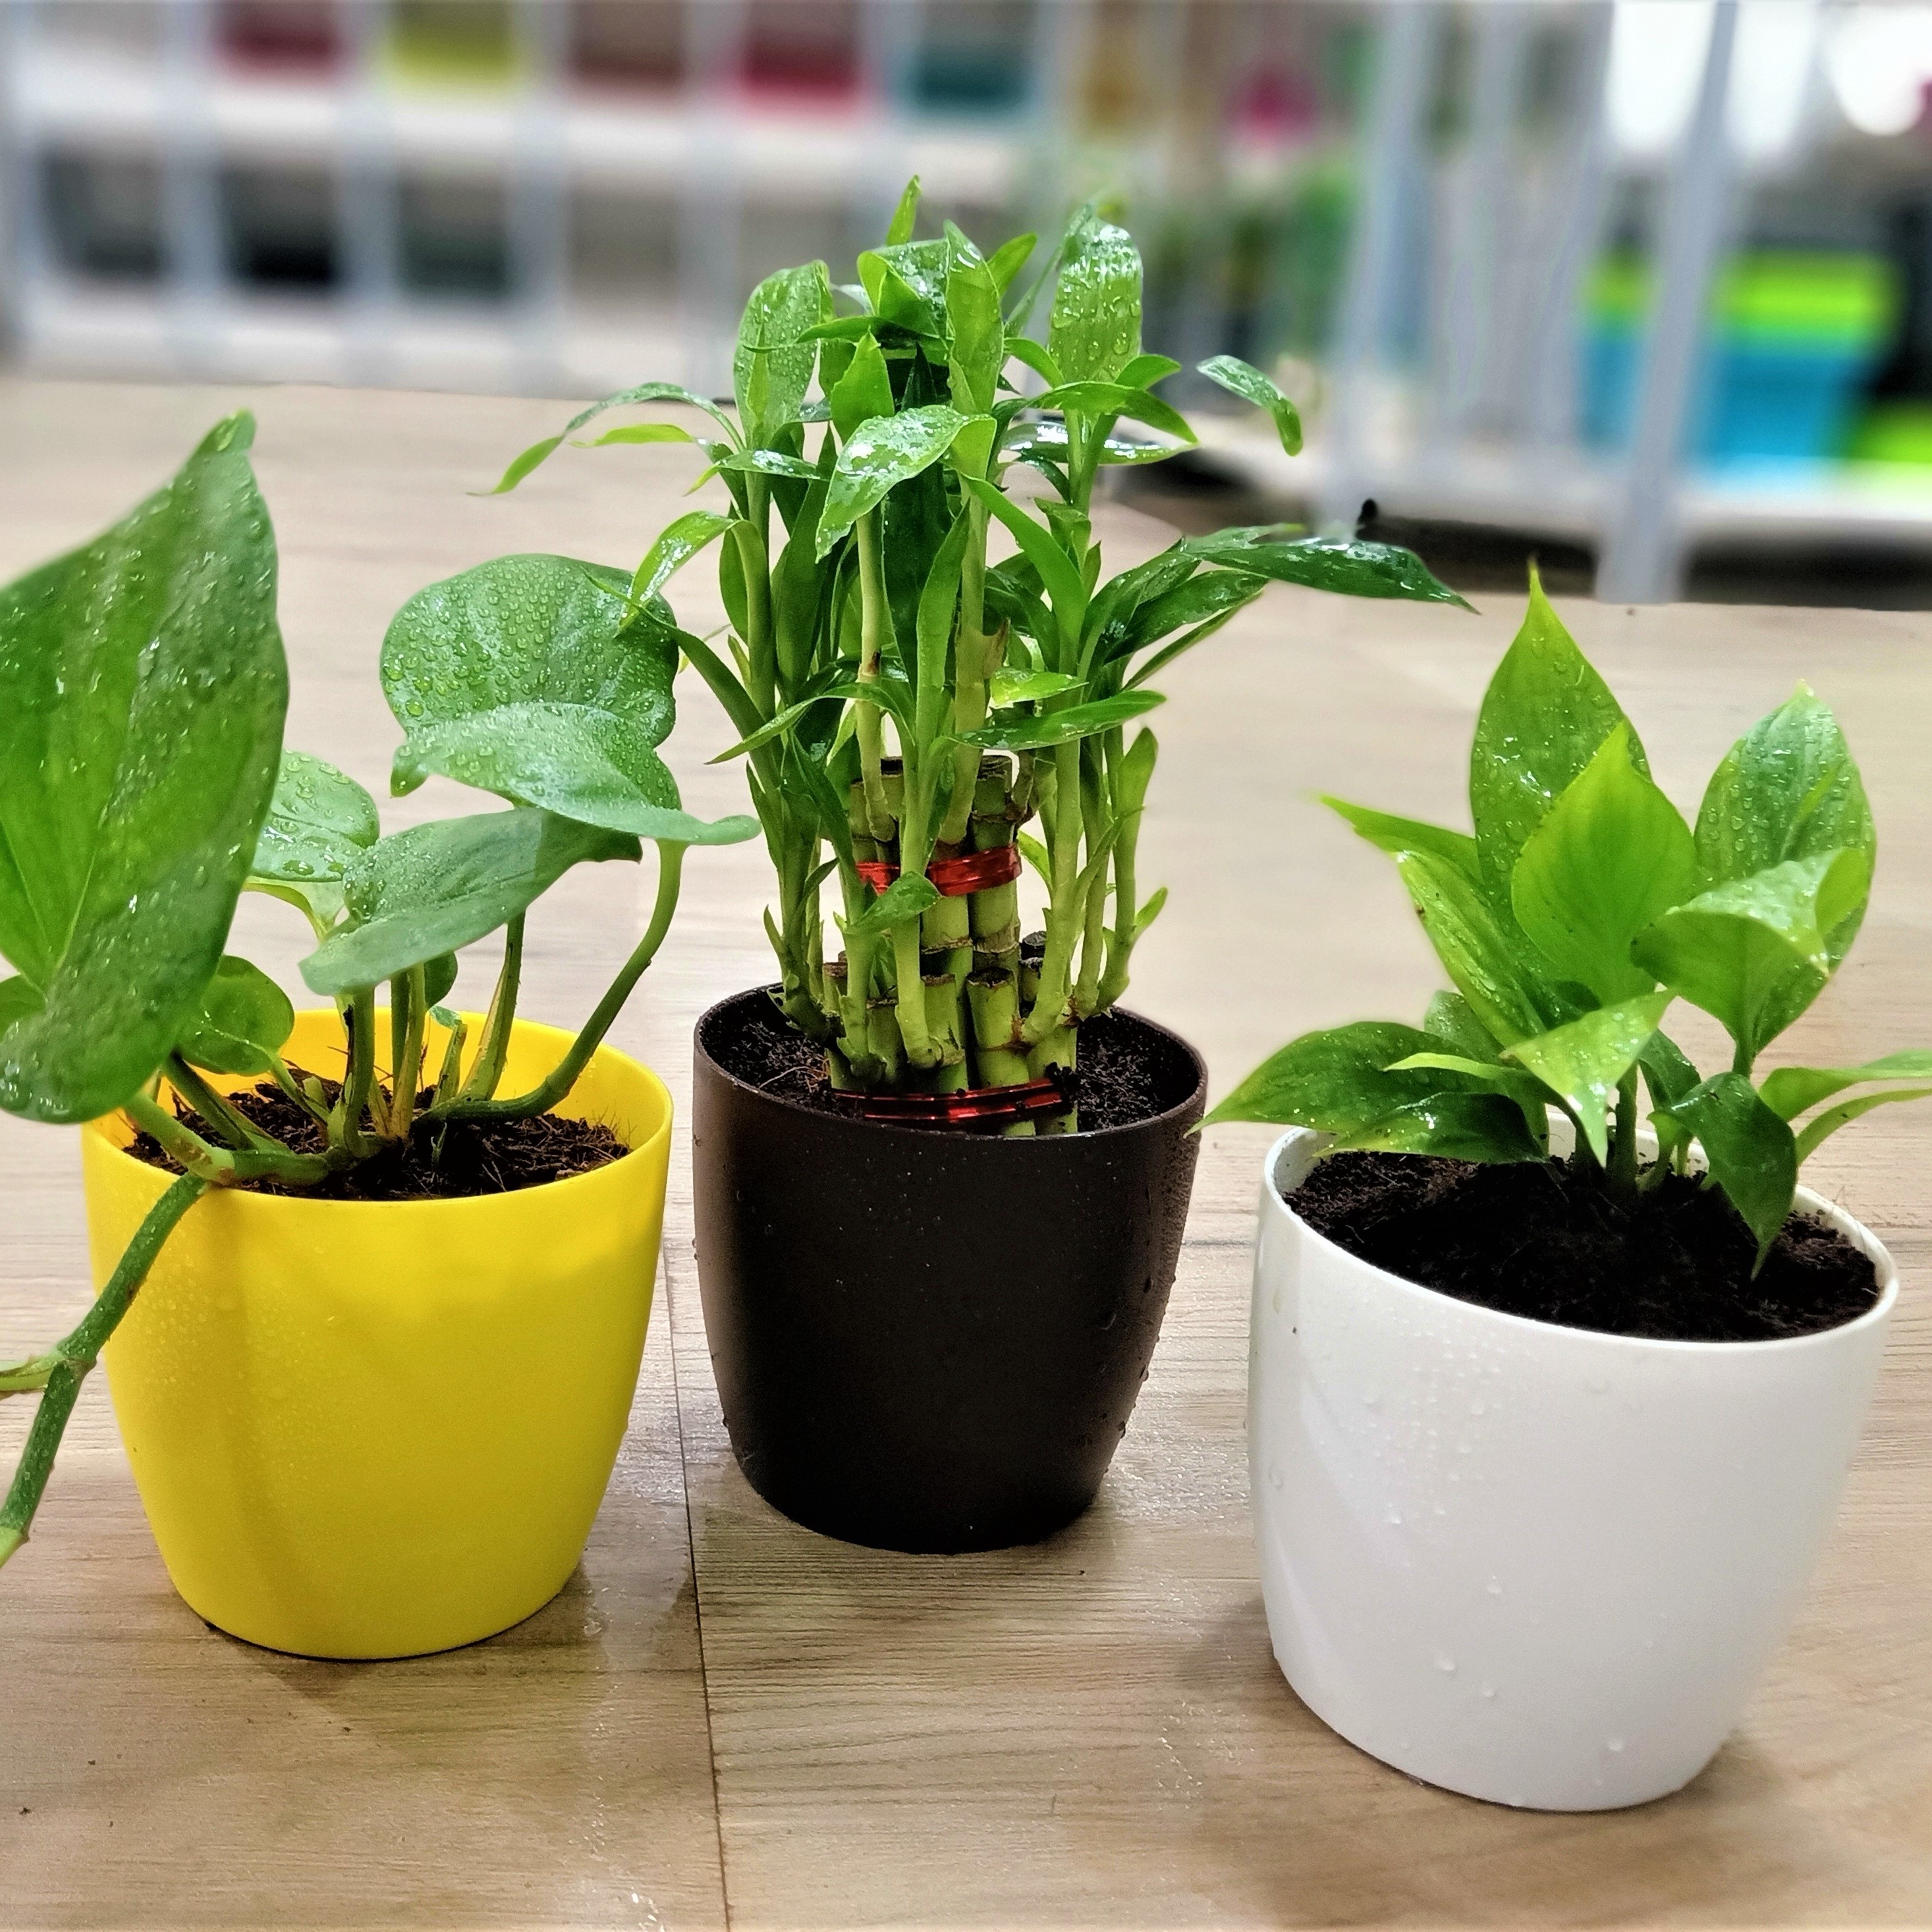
(1546, 1240)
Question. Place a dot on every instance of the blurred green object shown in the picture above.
(1791, 344)
(1772, 296)
(466, 43)
(1895, 432)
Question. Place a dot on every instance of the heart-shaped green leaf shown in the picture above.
(531, 677)
(244, 1019)
(1339, 1080)
(436, 887)
(1735, 949)
(1582, 1063)
(142, 691)
(319, 819)
(1788, 789)
(1610, 856)
(1544, 715)
(1751, 1152)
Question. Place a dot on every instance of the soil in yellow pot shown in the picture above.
(371, 1429)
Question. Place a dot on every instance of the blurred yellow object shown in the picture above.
(369, 1429)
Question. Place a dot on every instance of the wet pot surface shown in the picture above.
(931, 1341)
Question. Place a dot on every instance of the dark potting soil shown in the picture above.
(1543, 1240)
(1127, 1072)
(478, 1157)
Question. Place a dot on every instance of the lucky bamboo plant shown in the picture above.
(143, 787)
(1581, 909)
(905, 702)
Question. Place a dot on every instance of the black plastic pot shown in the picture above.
(932, 1340)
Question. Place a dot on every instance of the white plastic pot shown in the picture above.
(1532, 1563)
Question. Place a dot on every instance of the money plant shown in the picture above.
(143, 787)
(907, 701)
(1581, 908)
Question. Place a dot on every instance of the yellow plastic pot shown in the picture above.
(366, 1429)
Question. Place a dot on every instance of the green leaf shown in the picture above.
(1791, 1090)
(883, 452)
(1029, 687)
(908, 896)
(1061, 580)
(1114, 399)
(1045, 445)
(1338, 1081)
(1611, 855)
(1582, 1063)
(1010, 258)
(1752, 1154)
(1788, 789)
(521, 466)
(1543, 718)
(1060, 728)
(1396, 836)
(1489, 1127)
(906, 283)
(771, 368)
(1146, 370)
(438, 886)
(1212, 593)
(1023, 349)
(243, 1020)
(1450, 1018)
(1733, 950)
(863, 392)
(766, 463)
(1095, 329)
(650, 432)
(1817, 1131)
(319, 819)
(643, 392)
(1667, 1071)
(1244, 379)
(438, 975)
(678, 542)
(141, 692)
(905, 215)
(776, 726)
(526, 676)
(1346, 566)
(1520, 1086)
(978, 344)
(1506, 993)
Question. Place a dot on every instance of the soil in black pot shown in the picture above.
(1126, 1074)
(1545, 1240)
(476, 1156)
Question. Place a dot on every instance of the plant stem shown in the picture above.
(1049, 1012)
(976, 656)
(67, 1363)
(346, 1128)
(495, 1045)
(875, 627)
(1623, 1139)
(234, 1127)
(218, 1167)
(754, 566)
(294, 1089)
(406, 1060)
(542, 1098)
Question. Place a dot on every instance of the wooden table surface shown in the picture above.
(723, 1718)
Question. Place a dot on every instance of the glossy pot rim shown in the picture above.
(1195, 1098)
(102, 1133)
(1814, 1206)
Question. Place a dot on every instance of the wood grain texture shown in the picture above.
(722, 1709)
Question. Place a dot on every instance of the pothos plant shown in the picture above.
(143, 788)
(905, 702)
(1582, 907)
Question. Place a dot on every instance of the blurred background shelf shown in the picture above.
(1651, 277)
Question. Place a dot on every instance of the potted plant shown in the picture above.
(941, 1177)
(1549, 1411)
(377, 1284)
